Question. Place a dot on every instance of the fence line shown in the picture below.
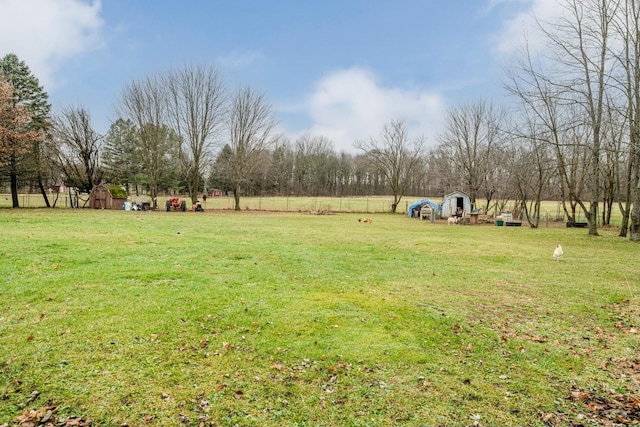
(363, 204)
(373, 204)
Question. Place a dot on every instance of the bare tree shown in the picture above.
(473, 135)
(396, 157)
(77, 148)
(579, 44)
(250, 125)
(614, 157)
(144, 102)
(531, 169)
(15, 133)
(442, 177)
(314, 155)
(627, 26)
(197, 106)
(282, 168)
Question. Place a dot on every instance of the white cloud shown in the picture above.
(45, 33)
(240, 60)
(351, 105)
(491, 4)
(522, 26)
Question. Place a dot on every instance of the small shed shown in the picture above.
(105, 196)
(452, 201)
(415, 208)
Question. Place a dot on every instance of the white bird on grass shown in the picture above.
(557, 253)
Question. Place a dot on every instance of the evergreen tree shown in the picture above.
(27, 92)
(159, 148)
(121, 156)
(220, 171)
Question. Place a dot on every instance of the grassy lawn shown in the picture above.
(282, 319)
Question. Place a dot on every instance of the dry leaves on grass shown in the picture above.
(612, 409)
(47, 417)
(605, 408)
(615, 409)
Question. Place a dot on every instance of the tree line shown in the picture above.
(569, 132)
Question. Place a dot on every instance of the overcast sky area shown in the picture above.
(337, 68)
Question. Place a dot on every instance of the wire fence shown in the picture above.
(551, 210)
(304, 204)
(371, 204)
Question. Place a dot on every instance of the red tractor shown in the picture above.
(176, 204)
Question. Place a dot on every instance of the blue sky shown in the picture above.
(341, 69)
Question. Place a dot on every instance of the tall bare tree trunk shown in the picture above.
(634, 230)
(37, 155)
(43, 190)
(250, 126)
(236, 198)
(630, 30)
(14, 181)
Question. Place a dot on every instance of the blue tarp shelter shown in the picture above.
(414, 208)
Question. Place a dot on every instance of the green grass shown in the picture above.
(265, 319)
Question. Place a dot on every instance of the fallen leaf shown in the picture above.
(47, 416)
(546, 417)
(579, 395)
(30, 337)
